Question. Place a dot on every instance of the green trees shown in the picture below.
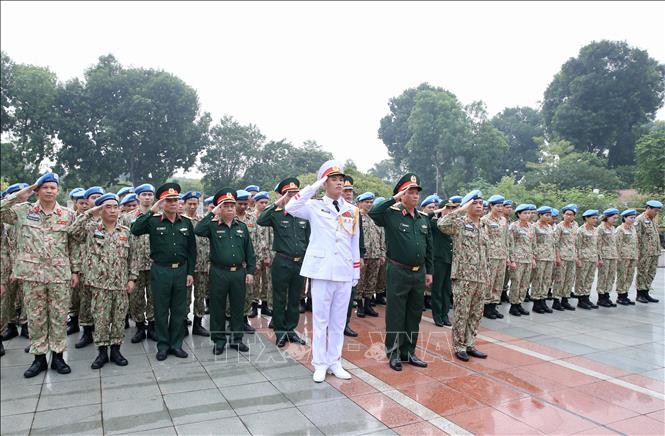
(520, 125)
(650, 162)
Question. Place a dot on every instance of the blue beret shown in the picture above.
(655, 203)
(146, 187)
(242, 195)
(590, 213)
(429, 200)
(93, 190)
(2, 194)
(532, 207)
(191, 194)
(48, 177)
(508, 203)
(496, 199)
(76, 193)
(473, 195)
(544, 209)
(263, 195)
(555, 212)
(367, 196)
(128, 199)
(611, 211)
(252, 188)
(125, 190)
(629, 212)
(522, 207)
(486, 204)
(16, 187)
(105, 197)
(457, 199)
(207, 201)
(378, 200)
(571, 207)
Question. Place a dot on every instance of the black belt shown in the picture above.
(172, 265)
(412, 268)
(231, 268)
(297, 259)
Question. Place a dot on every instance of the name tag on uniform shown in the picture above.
(494, 226)
(98, 234)
(404, 227)
(326, 211)
(302, 222)
(221, 232)
(286, 223)
(160, 228)
(647, 221)
(33, 217)
(183, 229)
(424, 226)
(469, 227)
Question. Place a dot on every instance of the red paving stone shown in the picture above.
(422, 428)
(490, 421)
(545, 417)
(623, 397)
(485, 390)
(508, 356)
(565, 376)
(386, 409)
(542, 349)
(441, 398)
(443, 370)
(597, 431)
(526, 381)
(588, 406)
(659, 416)
(352, 387)
(645, 382)
(639, 425)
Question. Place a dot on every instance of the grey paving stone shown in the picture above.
(183, 378)
(12, 376)
(255, 398)
(85, 420)
(232, 374)
(301, 391)
(16, 424)
(196, 406)
(19, 399)
(275, 371)
(129, 387)
(280, 422)
(231, 426)
(341, 416)
(69, 394)
(129, 416)
(164, 431)
(137, 363)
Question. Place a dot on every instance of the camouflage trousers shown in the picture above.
(519, 282)
(584, 277)
(141, 307)
(381, 279)
(646, 272)
(506, 279)
(469, 300)
(85, 302)
(606, 276)
(497, 269)
(625, 274)
(564, 279)
(15, 304)
(263, 281)
(542, 279)
(75, 299)
(47, 307)
(109, 308)
(200, 294)
(369, 275)
(251, 296)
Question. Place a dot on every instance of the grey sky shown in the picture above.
(325, 71)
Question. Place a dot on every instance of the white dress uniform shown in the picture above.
(332, 262)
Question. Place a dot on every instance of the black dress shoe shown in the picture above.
(116, 357)
(294, 338)
(369, 310)
(461, 355)
(265, 310)
(415, 361)
(218, 348)
(247, 327)
(380, 299)
(59, 364)
(179, 352)
(475, 353)
(282, 340)
(255, 310)
(447, 323)
(150, 333)
(240, 346)
(438, 323)
(38, 365)
(395, 362)
(161, 355)
(348, 331)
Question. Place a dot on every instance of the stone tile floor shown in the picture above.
(582, 372)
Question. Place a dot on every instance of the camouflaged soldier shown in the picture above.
(80, 205)
(607, 250)
(521, 248)
(141, 307)
(427, 206)
(495, 226)
(508, 215)
(469, 271)
(375, 249)
(251, 296)
(264, 254)
(626, 239)
(44, 264)
(5, 272)
(544, 254)
(109, 275)
(565, 256)
(586, 243)
(649, 250)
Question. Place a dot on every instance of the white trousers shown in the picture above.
(330, 301)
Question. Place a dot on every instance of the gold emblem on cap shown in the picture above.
(414, 179)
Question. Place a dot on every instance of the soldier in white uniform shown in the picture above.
(332, 263)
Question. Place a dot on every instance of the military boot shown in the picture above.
(86, 337)
(116, 357)
(583, 302)
(10, 332)
(556, 305)
(102, 357)
(603, 300)
(545, 307)
(593, 306)
(495, 311)
(140, 333)
(255, 310)
(369, 310)
(487, 313)
(648, 297)
(185, 328)
(150, 333)
(527, 298)
(504, 296)
(538, 306)
(522, 310)
(247, 327)
(565, 304)
(514, 310)
(25, 332)
(198, 329)
(59, 364)
(73, 325)
(2, 349)
(623, 299)
(360, 311)
(265, 310)
(38, 365)
(381, 298)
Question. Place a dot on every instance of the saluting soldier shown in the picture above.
(173, 254)
(565, 256)
(291, 238)
(5, 273)
(607, 250)
(347, 194)
(442, 291)
(496, 228)
(46, 263)
(129, 203)
(508, 215)
(586, 243)
(249, 219)
(251, 202)
(409, 268)
(649, 250)
(428, 205)
(626, 238)
(110, 275)
(232, 266)
(545, 256)
(124, 192)
(263, 251)
(375, 249)
(521, 247)
(80, 205)
(381, 279)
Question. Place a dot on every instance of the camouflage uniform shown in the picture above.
(251, 295)
(564, 274)
(586, 243)
(83, 289)
(107, 274)
(607, 250)
(45, 260)
(469, 275)
(5, 273)
(263, 277)
(375, 248)
(14, 303)
(648, 251)
(201, 271)
(521, 249)
(141, 307)
(626, 240)
(497, 253)
(544, 255)
(381, 274)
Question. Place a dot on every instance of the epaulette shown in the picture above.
(423, 213)
(277, 209)
(185, 216)
(395, 207)
(157, 214)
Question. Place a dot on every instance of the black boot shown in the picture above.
(198, 329)
(185, 328)
(514, 310)
(583, 302)
(116, 357)
(538, 306)
(101, 359)
(545, 307)
(126, 322)
(255, 310)
(207, 306)
(522, 310)
(302, 306)
(10, 332)
(2, 349)
(623, 299)
(590, 303)
(549, 295)
(265, 310)
(604, 300)
(649, 297)
(504, 296)
(247, 327)
(25, 333)
(73, 325)
(86, 337)
(428, 301)
(38, 365)
(556, 305)
(151, 331)
(308, 305)
(140, 333)
(372, 300)
(59, 364)
(495, 312)
(368, 308)
(381, 298)
(360, 311)
(565, 304)
(527, 298)
(487, 313)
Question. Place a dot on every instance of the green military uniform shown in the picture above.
(409, 258)
(173, 254)
(441, 281)
(290, 240)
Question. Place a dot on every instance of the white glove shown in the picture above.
(354, 282)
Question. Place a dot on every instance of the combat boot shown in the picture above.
(247, 327)
(495, 311)
(545, 307)
(369, 310)
(59, 364)
(185, 328)
(565, 304)
(514, 310)
(623, 299)
(522, 310)
(151, 331)
(604, 300)
(255, 310)
(86, 337)
(38, 365)
(504, 296)
(583, 302)
(116, 357)
(537, 306)
(265, 310)
(73, 325)
(140, 333)
(198, 329)
(25, 333)
(360, 311)
(10, 332)
(381, 298)
(487, 313)
(2, 349)
(649, 298)
(590, 303)
(102, 357)
(527, 297)
(556, 305)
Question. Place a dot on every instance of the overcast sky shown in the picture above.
(325, 71)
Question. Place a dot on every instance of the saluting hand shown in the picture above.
(281, 201)
(399, 195)
(93, 210)
(2, 289)
(157, 206)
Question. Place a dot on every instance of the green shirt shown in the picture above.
(408, 238)
(229, 245)
(290, 234)
(170, 242)
(443, 244)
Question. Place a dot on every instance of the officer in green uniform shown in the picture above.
(232, 267)
(443, 258)
(290, 240)
(173, 254)
(408, 268)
